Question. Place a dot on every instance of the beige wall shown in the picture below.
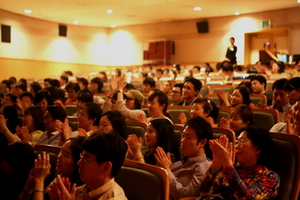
(37, 50)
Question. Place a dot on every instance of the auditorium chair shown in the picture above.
(174, 112)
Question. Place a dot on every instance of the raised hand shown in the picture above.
(223, 97)
(162, 159)
(122, 82)
(61, 189)
(142, 119)
(23, 134)
(82, 132)
(41, 167)
(182, 119)
(222, 152)
(135, 145)
(64, 129)
(224, 123)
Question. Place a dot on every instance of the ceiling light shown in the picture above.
(237, 13)
(113, 26)
(298, 1)
(109, 11)
(197, 8)
(75, 22)
(27, 11)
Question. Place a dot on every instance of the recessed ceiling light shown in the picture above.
(113, 26)
(109, 11)
(197, 8)
(75, 22)
(27, 11)
(237, 13)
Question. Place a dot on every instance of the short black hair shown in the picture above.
(265, 62)
(149, 81)
(227, 67)
(74, 86)
(69, 72)
(23, 81)
(54, 83)
(203, 130)
(107, 147)
(84, 81)
(57, 113)
(93, 111)
(22, 87)
(197, 67)
(197, 84)
(12, 97)
(43, 95)
(38, 117)
(65, 78)
(180, 85)
(36, 87)
(7, 83)
(279, 84)
(26, 94)
(118, 123)
(260, 79)
(292, 84)
(159, 70)
(85, 95)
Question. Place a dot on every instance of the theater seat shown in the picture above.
(174, 112)
(265, 118)
(53, 152)
(136, 128)
(178, 129)
(70, 109)
(142, 181)
(287, 166)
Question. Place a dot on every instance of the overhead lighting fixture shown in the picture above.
(237, 13)
(113, 26)
(27, 11)
(75, 22)
(109, 11)
(197, 8)
(298, 1)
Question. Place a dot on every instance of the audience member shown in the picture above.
(292, 86)
(148, 85)
(96, 88)
(5, 85)
(240, 95)
(83, 96)
(83, 83)
(187, 175)
(176, 94)
(259, 86)
(190, 91)
(278, 67)
(103, 76)
(63, 81)
(72, 90)
(158, 74)
(19, 89)
(26, 99)
(43, 100)
(196, 71)
(34, 88)
(47, 82)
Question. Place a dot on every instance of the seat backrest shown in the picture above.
(142, 181)
(214, 98)
(174, 112)
(223, 112)
(287, 165)
(178, 129)
(70, 109)
(73, 123)
(265, 118)
(136, 128)
(226, 88)
(53, 152)
(145, 109)
(205, 90)
(256, 98)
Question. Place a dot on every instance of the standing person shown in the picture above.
(231, 52)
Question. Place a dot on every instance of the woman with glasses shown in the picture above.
(202, 107)
(249, 178)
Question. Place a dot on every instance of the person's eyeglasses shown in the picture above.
(85, 160)
(175, 92)
(239, 142)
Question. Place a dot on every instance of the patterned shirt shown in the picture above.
(236, 182)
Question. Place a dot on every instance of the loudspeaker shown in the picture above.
(202, 27)
(5, 33)
(62, 30)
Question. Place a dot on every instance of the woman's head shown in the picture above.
(240, 117)
(68, 157)
(203, 107)
(54, 113)
(159, 134)
(113, 121)
(72, 90)
(34, 118)
(43, 99)
(240, 95)
(34, 88)
(254, 147)
(157, 103)
(96, 85)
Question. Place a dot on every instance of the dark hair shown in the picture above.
(238, 68)
(84, 81)
(12, 80)
(129, 86)
(165, 135)
(13, 97)
(245, 94)
(262, 139)
(246, 84)
(149, 81)
(203, 130)
(36, 87)
(57, 113)
(23, 81)
(38, 117)
(227, 67)
(197, 67)
(107, 147)
(292, 84)
(94, 111)
(54, 83)
(197, 84)
(244, 111)
(117, 121)
(209, 107)
(159, 70)
(7, 83)
(279, 84)
(68, 72)
(118, 72)
(85, 95)
(43, 95)
(265, 62)
(65, 78)
(260, 79)
(73, 86)
(26, 94)
(99, 82)
(54, 93)
(162, 99)
(281, 66)
(11, 114)
(105, 76)
(177, 67)
(76, 149)
(180, 85)
(252, 70)
(47, 80)
(232, 38)
(21, 157)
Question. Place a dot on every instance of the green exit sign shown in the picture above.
(266, 24)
